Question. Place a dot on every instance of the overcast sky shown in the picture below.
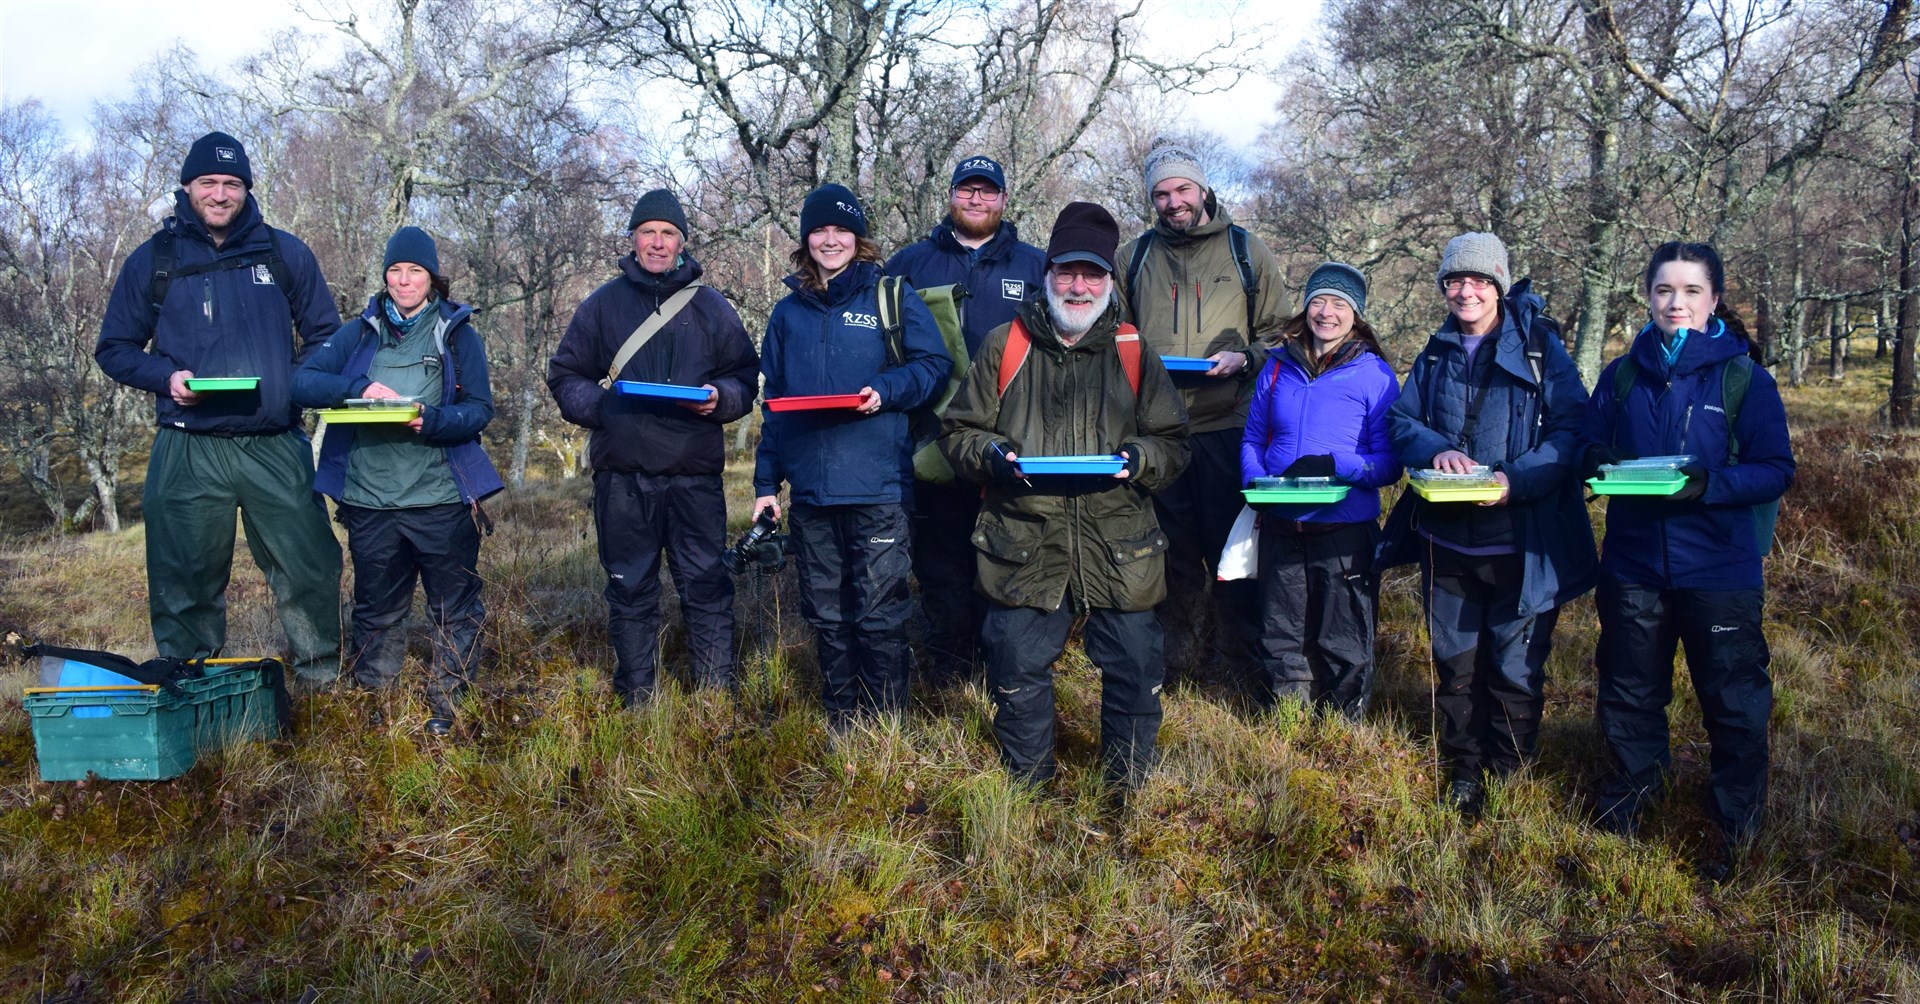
(72, 53)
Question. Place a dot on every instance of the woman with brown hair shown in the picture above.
(848, 462)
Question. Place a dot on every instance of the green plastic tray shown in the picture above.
(202, 384)
(343, 416)
(1607, 486)
(1296, 496)
(153, 733)
(1445, 492)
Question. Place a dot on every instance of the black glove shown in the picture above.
(1135, 457)
(1597, 454)
(1000, 470)
(1320, 465)
(1696, 485)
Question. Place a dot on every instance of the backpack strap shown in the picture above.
(1140, 248)
(892, 326)
(1237, 241)
(166, 268)
(163, 264)
(1736, 375)
(1624, 376)
(1126, 341)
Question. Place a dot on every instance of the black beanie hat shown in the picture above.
(415, 245)
(832, 206)
(658, 204)
(217, 153)
(1084, 231)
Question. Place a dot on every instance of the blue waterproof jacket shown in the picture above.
(832, 344)
(997, 276)
(229, 322)
(1710, 542)
(338, 371)
(1342, 413)
(1527, 428)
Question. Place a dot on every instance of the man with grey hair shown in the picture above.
(1067, 378)
(1200, 288)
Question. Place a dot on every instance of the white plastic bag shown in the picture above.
(1240, 559)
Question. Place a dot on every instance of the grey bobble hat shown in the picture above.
(1332, 278)
(660, 205)
(1476, 254)
(1168, 159)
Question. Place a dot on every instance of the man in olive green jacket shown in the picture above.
(1185, 286)
(1053, 546)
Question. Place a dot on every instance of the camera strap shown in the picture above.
(669, 308)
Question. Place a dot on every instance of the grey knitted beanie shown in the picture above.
(1168, 159)
(1476, 254)
(1332, 278)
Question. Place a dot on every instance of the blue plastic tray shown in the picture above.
(1096, 464)
(670, 391)
(1186, 364)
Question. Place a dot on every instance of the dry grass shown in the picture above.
(706, 849)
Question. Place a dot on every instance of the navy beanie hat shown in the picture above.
(660, 205)
(1334, 278)
(832, 206)
(415, 245)
(217, 153)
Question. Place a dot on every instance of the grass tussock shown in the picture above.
(717, 848)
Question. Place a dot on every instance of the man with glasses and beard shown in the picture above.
(1066, 378)
(974, 249)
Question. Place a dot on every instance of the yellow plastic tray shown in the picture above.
(1444, 492)
(342, 416)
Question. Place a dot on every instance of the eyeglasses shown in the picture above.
(978, 193)
(1460, 282)
(1092, 277)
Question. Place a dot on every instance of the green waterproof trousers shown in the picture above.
(194, 483)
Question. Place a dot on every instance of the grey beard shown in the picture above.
(1057, 309)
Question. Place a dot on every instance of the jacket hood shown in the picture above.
(186, 221)
(996, 247)
(1218, 220)
(855, 280)
(453, 313)
(1701, 350)
(666, 285)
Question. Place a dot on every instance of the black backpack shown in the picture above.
(166, 268)
(1242, 260)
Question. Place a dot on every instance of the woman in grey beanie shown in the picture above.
(1493, 390)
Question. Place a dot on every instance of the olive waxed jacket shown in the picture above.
(1096, 534)
(1190, 303)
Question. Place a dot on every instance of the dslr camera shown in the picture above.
(762, 548)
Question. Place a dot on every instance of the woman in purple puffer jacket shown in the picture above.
(1320, 410)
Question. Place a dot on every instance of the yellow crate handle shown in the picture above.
(148, 687)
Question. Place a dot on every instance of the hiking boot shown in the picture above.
(439, 727)
(1466, 797)
(1619, 816)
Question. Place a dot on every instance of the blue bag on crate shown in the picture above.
(79, 667)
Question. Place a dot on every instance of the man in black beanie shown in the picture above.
(657, 460)
(219, 294)
(1067, 378)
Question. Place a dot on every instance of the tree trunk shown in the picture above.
(105, 484)
(1837, 341)
(1900, 398)
(1883, 322)
(1603, 199)
(522, 435)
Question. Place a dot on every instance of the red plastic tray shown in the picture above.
(815, 402)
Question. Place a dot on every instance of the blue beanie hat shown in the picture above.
(415, 245)
(217, 153)
(1332, 278)
(832, 206)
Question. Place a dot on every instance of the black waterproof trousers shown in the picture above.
(1491, 662)
(439, 546)
(1206, 621)
(944, 564)
(854, 562)
(1021, 644)
(1727, 657)
(1317, 603)
(636, 516)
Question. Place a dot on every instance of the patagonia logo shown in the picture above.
(883, 540)
(1013, 289)
(1715, 407)
(852, 319)
(1724, 628)
(262, 275)
(225, 155)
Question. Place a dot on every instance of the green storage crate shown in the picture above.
(151, 733)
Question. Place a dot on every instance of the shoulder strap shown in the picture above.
(1127, 341)
(166, 268)
(1243, 260)
(163, 263)
(1014, 356)
(1736, 375)
(1133, 272)
(892, 327)
(1624, 376)
(650, 327)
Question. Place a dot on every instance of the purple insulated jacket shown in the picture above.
(1342, 412)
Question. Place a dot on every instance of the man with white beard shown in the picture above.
(1066, 379)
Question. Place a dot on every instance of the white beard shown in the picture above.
(1071, 320)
